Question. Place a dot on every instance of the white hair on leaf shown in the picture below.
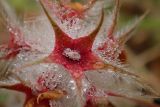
(39, 34)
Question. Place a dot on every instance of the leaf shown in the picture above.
(120, 82)
(74, 23)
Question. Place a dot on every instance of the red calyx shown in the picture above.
(82, 46)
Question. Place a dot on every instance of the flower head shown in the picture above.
(79, 65)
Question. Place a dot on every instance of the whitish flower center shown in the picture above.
(72, 54)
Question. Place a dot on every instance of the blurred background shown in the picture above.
(143, 48)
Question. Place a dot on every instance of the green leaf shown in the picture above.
(3, 97)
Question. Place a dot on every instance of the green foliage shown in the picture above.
(22, 5)
(3, 97)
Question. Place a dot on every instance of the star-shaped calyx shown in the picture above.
(75, 54)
